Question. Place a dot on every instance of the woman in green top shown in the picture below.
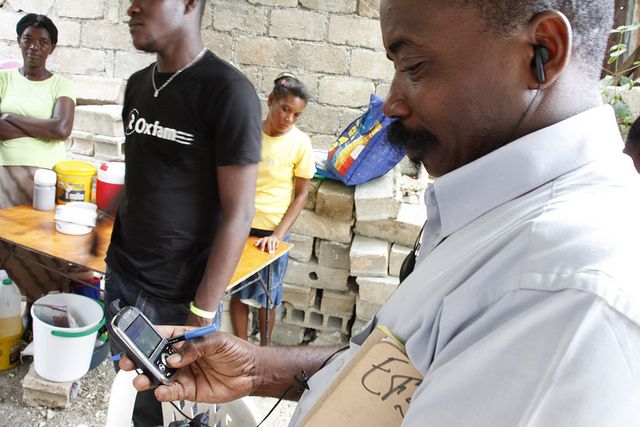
(36, 112)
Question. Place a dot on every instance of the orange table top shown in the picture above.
(254, 260)
(36, 230)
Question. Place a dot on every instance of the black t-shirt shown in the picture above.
(208, 116)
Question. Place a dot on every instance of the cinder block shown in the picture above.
(335, 200)
(99, 90)
(316, 319)
(403, 230)
(333, 6)
(287, 335)
(369, 257)
(396, 257)
(345, 92)
(82, 143)
(329, 339)
(338, 301)
(366, 310)
(109, 147)
(344, 30)
(378, 199)
(37, 391)
(314, 185)
(299, 296)
(99, 119)
(320, 59)
(302, 247)
(314, 275)
(310, 224)
(333, 254)
(376, 290)
(297, 24)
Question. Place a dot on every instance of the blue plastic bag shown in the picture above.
(362, 151)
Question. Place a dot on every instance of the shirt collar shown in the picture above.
(470, 191)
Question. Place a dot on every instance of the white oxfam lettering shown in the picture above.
(140, 125)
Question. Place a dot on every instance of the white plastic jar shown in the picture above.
(44, 190)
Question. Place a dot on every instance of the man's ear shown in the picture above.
(549, 30)
(191, 5)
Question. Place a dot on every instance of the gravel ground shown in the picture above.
(89, 408)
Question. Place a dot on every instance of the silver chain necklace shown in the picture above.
(155, 67)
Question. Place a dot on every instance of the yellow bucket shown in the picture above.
(75, 180)
(10, 351)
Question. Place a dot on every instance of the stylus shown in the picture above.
(194, 333)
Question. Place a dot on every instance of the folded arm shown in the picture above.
(58, 127)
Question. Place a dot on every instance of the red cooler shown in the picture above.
(110, 181)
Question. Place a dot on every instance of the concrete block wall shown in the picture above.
(333, 46)
(339, 277)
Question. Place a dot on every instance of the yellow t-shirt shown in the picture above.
(283, 158)
(22, 96)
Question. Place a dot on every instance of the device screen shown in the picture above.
(145, 337)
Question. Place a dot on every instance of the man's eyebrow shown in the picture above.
(396, 45)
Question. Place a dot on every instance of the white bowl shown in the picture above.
(81, 213)
(65, 227)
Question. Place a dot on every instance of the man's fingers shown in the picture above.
(170, 393)
(142, 382)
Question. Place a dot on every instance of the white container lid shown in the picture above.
(112, 172)
(45, 177)
(77, 213)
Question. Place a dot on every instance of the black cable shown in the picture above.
(301, 382)
(524, 115)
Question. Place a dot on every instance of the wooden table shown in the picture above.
(36, 231)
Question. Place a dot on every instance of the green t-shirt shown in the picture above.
(22, 96)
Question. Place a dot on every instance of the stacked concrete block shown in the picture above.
(314, 185)
(314, 318)
(369, 257)
(302, 247)
(92, 90)
(36, 391)
(98, 132)
(353, 241)
(396, 257)
(317, 276)
(378, 199)
(402, 230)
(311, 224)
(333, 254)
(335, 200)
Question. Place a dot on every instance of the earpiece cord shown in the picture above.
(191, 420)
(301, 383)
(523, 116)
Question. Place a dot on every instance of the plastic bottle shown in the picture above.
(10, 322)
(44, 190)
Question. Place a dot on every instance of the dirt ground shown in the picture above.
(89, 408)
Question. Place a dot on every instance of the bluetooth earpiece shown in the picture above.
(541, 56)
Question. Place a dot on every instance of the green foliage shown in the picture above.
(618, 80)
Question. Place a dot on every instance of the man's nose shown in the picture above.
(133, 9)
(396, 105)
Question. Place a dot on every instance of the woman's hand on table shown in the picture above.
(271, 243)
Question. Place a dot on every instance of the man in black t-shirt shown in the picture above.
(192, 125)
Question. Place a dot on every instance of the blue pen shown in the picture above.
(194, 334)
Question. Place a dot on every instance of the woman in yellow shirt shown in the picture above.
(285, 170)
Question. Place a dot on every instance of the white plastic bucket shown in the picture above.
(64, 354)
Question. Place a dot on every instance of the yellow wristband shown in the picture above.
(202, 313)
